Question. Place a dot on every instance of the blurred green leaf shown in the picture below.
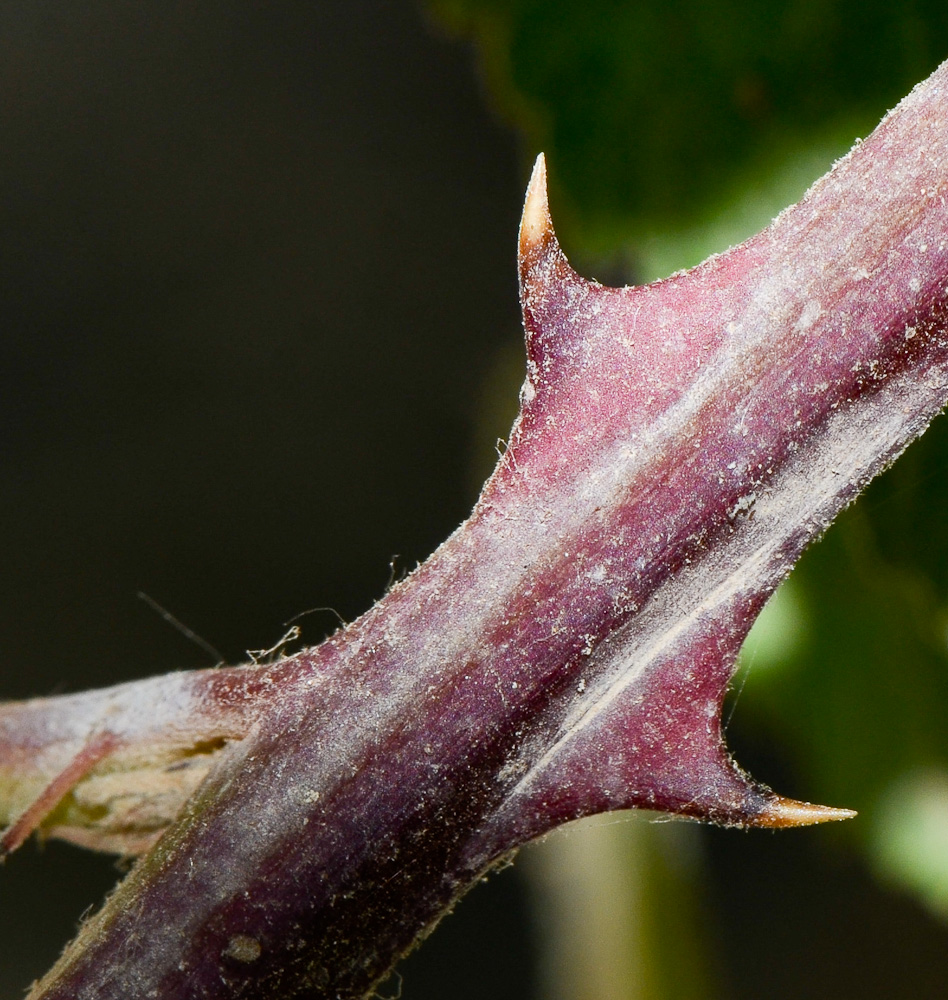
(650, 114)
(910, 837)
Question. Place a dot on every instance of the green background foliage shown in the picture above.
(652, 112)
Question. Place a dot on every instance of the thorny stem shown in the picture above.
(567, 650)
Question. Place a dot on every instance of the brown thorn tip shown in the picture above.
(535, 222)
(780, 813)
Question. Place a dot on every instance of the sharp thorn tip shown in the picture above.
(780, 813)
(535, 223)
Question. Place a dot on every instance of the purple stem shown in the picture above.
(567, 650)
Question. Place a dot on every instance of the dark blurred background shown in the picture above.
(260, 335)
